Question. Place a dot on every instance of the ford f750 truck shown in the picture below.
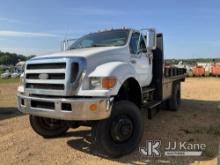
(109, 80)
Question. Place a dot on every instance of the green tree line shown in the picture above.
(7, 58)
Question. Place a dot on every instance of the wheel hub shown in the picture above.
(121, 129)
(50, 123)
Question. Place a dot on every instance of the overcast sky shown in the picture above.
(190, 27)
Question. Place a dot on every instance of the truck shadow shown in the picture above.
(197, 122)
(9, 112)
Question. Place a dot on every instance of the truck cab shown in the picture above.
(109, 80)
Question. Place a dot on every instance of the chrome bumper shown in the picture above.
(79, 108)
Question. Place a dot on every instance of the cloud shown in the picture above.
(95, 11)
(9, 20)
(67, 32)
(28, 51)
(8, 33)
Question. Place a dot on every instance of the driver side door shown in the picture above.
(141, 59)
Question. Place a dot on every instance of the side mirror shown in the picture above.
(151, 38)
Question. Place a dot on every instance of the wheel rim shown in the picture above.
(50, 124)
(121, 129)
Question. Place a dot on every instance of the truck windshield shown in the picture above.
(102, 39)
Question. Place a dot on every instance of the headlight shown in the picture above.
(95, 83)
(102, 82)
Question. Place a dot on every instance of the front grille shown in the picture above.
(45, 86)
(47, 66)
(51, 76)
(54, 77)
(41, 77)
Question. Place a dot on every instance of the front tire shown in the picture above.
(121, 133)
(48, 127)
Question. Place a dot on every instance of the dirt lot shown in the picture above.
(196, 122)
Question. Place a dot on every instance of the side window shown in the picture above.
(143, 45)
(134, 43)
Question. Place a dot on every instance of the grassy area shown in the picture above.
(9, 80)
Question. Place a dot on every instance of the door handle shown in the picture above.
(133, 61)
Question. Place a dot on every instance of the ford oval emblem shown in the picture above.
(43, 76)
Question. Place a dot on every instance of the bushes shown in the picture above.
(11, 58)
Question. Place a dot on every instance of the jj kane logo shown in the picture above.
(153, 149)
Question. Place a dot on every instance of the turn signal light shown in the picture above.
(108, 82)
(93, 107)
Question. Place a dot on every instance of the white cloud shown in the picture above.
(27, 51)
(9, 20)
(8, 33)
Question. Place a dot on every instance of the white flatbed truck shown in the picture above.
(109, 80)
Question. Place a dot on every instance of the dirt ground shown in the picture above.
(197, 121)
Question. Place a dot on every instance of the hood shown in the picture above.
(84, 52)
(93, 56)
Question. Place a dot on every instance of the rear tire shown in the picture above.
(121, 133)
(174, 101)
(48, 127)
